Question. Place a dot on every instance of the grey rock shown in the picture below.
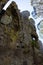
(25, 14)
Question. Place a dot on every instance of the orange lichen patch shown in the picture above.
(14, 39)
(12, 35)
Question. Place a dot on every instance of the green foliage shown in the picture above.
(34, 44)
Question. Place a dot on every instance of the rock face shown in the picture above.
(18, 38)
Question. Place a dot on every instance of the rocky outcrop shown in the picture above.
(19, 43)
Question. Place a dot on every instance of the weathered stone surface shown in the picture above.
(6, 19)
(18, 38)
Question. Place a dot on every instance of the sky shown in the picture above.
(26, 5)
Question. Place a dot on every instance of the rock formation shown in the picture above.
(18, 38)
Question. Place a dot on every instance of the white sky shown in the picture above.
(26, 5)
